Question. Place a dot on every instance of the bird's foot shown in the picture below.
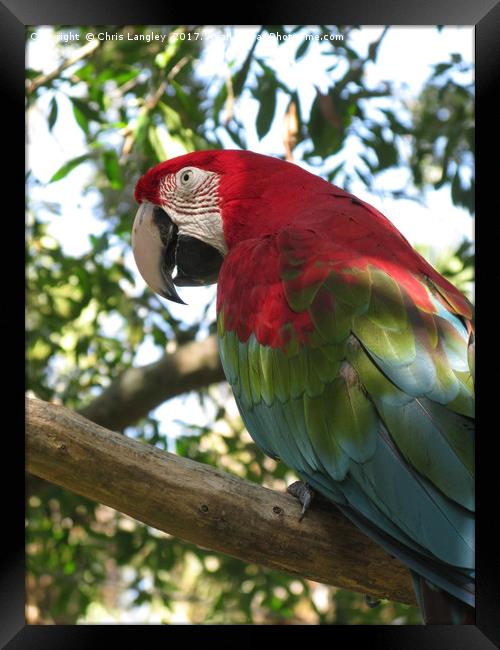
(304, 493)
(371, 601)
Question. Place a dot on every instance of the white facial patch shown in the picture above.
(191, 199)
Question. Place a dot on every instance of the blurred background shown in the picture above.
(387, 113)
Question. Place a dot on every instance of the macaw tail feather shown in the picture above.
(439, 607)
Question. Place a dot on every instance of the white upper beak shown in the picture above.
(147, 247)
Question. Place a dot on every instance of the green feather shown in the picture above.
(295, 416)
(446, 387)
(373, 408)
(291, 341)
(281, 375)
(300, 291)
(313, 382)
(228, 348)
(220, 324)
(266, 374)
(325, 368)
(436, 442)
(428, 325)
(471, 356)
(298, 374)
(414, 378)
(454, 345)
(353, 420)
(395, 347)
(300, 298)
(351, 287)
(325, 445)
(464, 402)
(255, 374)
(246, 388)
(374, 381)
(331, 320)
(386, 308)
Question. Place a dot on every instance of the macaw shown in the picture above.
(350, 357)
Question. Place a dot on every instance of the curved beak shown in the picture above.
(154, 239)
(159, 247)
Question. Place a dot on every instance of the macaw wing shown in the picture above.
(354, 371)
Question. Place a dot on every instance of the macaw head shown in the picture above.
(194, 208)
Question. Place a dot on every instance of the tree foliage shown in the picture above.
(137, 103)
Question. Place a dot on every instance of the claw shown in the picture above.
(304, 493)
(371, 601)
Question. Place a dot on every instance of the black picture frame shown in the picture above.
(15, 15)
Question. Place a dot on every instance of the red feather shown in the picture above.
(341, 234)
(275, 214)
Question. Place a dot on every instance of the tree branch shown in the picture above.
(44, 79)
(206, 506)
(149, 105)
(137, 391)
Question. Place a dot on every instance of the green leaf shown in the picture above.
(164, 58)
(32, 74)
(112, 169)
(99, 243)
(440, 68)
(387, 154)
(156, 143)
(187, 103)
(456, 188)
(267, 108)
(52, 113)
(141, 128)
(363, 177)
(330, 177)
(81, 119)
(219, 101)
(68, 167)
(86, 72)
(269, 72)
(83, 113)
(126, 75)
(396, 126)
(327, 138)
(240, 77)
(302, 49)
(236, 137)
(172, 118)
(372, 167)
(374, 47)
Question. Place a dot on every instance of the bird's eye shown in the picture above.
(186, 176)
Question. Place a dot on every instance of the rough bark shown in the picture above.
(137, 391)
(206, 506)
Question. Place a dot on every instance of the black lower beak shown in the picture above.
(168, 235)
(197, 263)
